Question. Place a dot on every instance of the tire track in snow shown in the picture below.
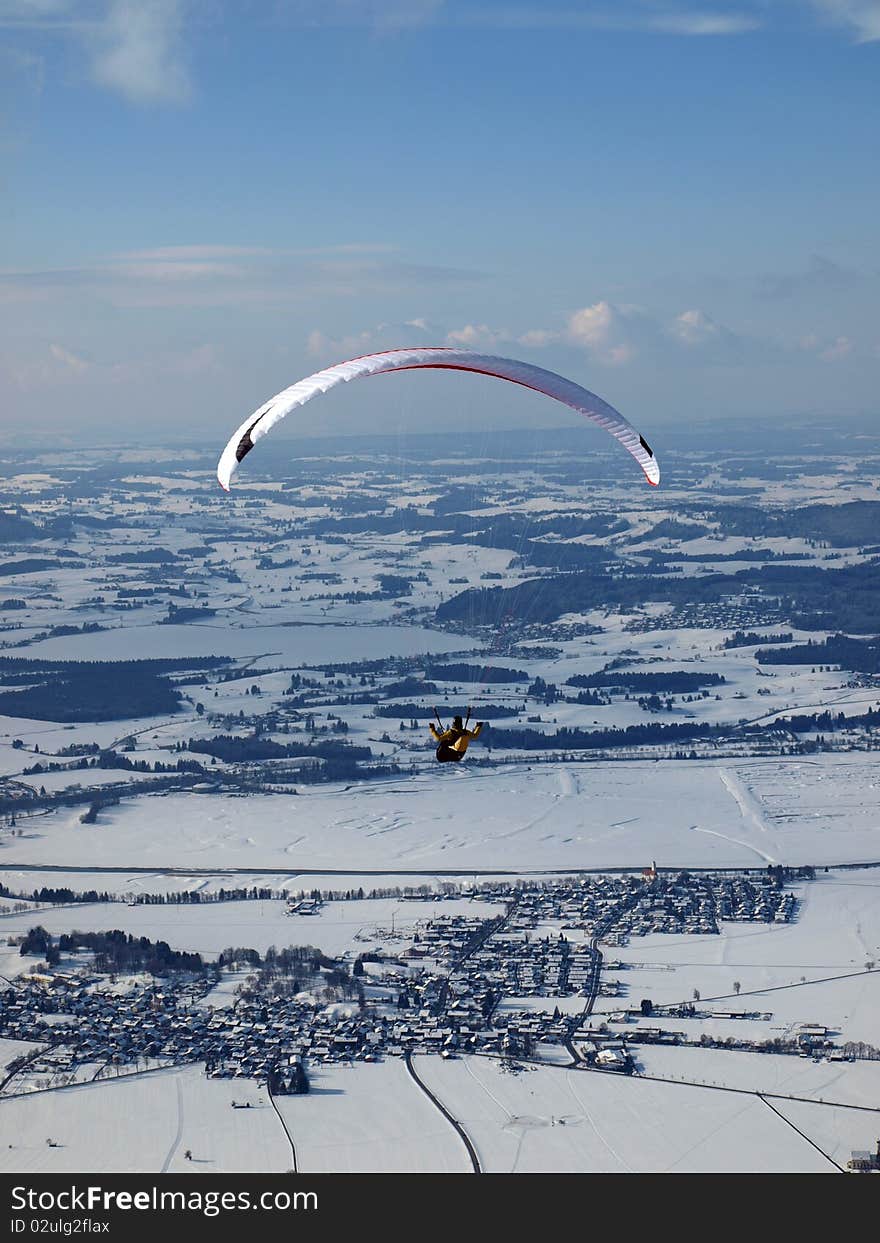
(177, 1138)
(589, 1118)
(748, 805)
(695, 828)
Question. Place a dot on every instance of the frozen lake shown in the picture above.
(295, 645)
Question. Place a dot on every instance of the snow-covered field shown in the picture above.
(370, 1119)
(144, 1123)
(127, 884)
(568, 1121)
(376, 1119)
(538, 818)
(339, 928)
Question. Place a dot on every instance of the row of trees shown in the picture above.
(114, 951)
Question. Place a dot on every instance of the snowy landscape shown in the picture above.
(248, 923)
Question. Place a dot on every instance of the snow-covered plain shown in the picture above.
(144, 1123)
(544, 817)
(370, 1119)
(569, 1121)
(339, 928)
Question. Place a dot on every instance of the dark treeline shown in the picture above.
(744, 554)
(394, 585)
(672, 528)
(842, 526)
(416, 712)
(17, 530)
(568, 739)
(475, 673)
(505, 530)
(657, 733)
(63, 631)
(680, 683)
(114, 951)
(827, 722)
(119, 951)
(63, 895)
(408, 686)
(145, 556)
(180, 616)
(27, 664)
(35, 565)
(290, 961)
(112, 760)
(94, 690)
(198, 897)
(857, 655)
(231, 748)
(748, 638)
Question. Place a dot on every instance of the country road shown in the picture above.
(463, 1135)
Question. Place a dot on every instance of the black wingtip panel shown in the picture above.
(245, 445)
(642, 442)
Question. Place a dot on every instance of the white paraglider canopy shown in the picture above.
(437, 357)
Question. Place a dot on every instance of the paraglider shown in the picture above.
(454, 742)
(443, 358)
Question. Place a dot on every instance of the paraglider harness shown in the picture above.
(447, 752)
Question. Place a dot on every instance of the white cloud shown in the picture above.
(134, 47)
(829, 351)
(685, 23)
(694, 327)
(333, 349)
(861, 17)
(622, 15)
(388, 336)
(839, 348)
(224, 275)
(137, 50)
(537, 338)
(68, 359)
(474, 335)
(601, 329)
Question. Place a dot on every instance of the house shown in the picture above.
(862, 1162)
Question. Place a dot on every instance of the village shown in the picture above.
(460, 984)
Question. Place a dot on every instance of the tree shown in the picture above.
(696, 994)
(736, 987)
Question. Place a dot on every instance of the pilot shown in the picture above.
(455, 740)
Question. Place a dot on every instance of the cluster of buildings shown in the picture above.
(461, 983)
(615, 908)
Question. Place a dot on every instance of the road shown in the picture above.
(610, 870)
(465, 1138)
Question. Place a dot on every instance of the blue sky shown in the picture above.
(200, 201)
